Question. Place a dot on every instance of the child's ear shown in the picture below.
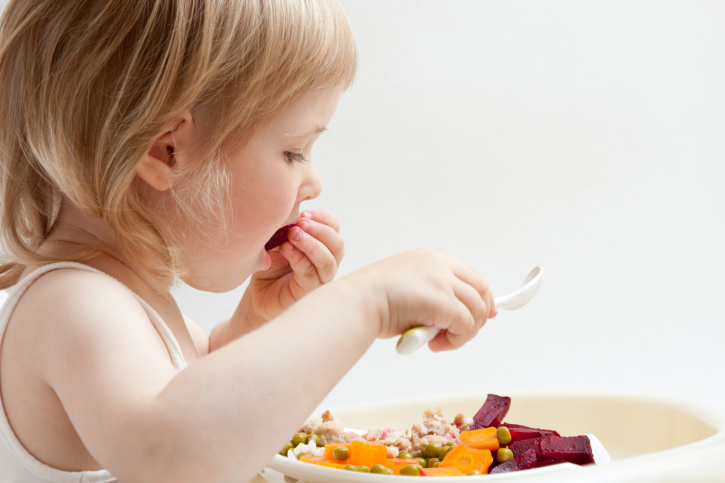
(158, 165)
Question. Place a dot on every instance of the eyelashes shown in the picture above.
(294, 157)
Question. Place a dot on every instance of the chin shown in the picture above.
(223, 280)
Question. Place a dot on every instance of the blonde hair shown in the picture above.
(86, 86)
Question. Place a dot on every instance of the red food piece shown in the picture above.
(492, 412)
(524, 461)
(279, 237)
(519, 432)
(574, 449)
(520, 447)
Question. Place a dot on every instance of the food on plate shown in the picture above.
(279, 237)
(436, 447)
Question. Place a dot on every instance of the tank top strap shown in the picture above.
(15, 292)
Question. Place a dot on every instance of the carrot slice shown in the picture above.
(468, 459)
(485, 438)
(396, 464)
(441, 472)
(364, 453)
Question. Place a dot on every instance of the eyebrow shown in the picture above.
(316, 130)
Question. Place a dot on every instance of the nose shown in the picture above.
(311, 186)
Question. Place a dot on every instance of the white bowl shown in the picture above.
(649, 439)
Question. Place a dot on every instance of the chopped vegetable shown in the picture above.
(367, 453)
(468, 459)
(396, 464)
(492, 412)
(524, 461)
(330, 465)
(330, 449)
(485, 438)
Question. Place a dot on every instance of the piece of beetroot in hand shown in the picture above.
(492, 412)
(520, 433)
(524, 461)
(279, 237)
(574, 449)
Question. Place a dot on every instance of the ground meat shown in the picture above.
(462, 422)
(434, 423)
(329, 429)
(434, 429)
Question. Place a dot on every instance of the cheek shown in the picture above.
(261, 206)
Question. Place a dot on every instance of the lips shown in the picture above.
(279, 237)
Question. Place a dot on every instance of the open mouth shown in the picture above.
(279, 237)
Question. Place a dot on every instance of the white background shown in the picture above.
(586, 137)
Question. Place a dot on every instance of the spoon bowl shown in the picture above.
(415, 338)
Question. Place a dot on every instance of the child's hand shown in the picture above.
(309, 258)
(423, 287)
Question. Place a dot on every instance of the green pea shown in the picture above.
(434, 465)
(388, 471)
(310, 437)
(451, 443)
(363, 469)
(350, 468)
(433, 461)
(404, 455)
(410, 470)
(503, 434)
(444, 451)
(474, 473)
(286, 448)
(379, 469)
(432, 450)
(422, 462)
(341, 453)
(299, 438)
(504, 454)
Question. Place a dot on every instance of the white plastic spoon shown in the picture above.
(415, 338)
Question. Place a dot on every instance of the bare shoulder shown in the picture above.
(89, 339)
(67, 308)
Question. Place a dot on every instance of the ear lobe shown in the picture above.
(157, 166)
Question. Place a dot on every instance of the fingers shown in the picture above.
(327, 235)
(472, 278)
(324, 217)
(462, 328)
(311, 261)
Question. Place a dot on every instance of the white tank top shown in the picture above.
(16, 464)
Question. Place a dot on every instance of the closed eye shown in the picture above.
(295, 157)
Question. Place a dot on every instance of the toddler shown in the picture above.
(148, 141)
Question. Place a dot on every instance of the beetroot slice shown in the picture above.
(524, 461)
(492, 412)
(519, 432)
(279, 237)
(521, 447)
(574, 449)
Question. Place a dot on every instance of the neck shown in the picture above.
(74, 227)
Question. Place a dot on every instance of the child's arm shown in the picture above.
(225, 416)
